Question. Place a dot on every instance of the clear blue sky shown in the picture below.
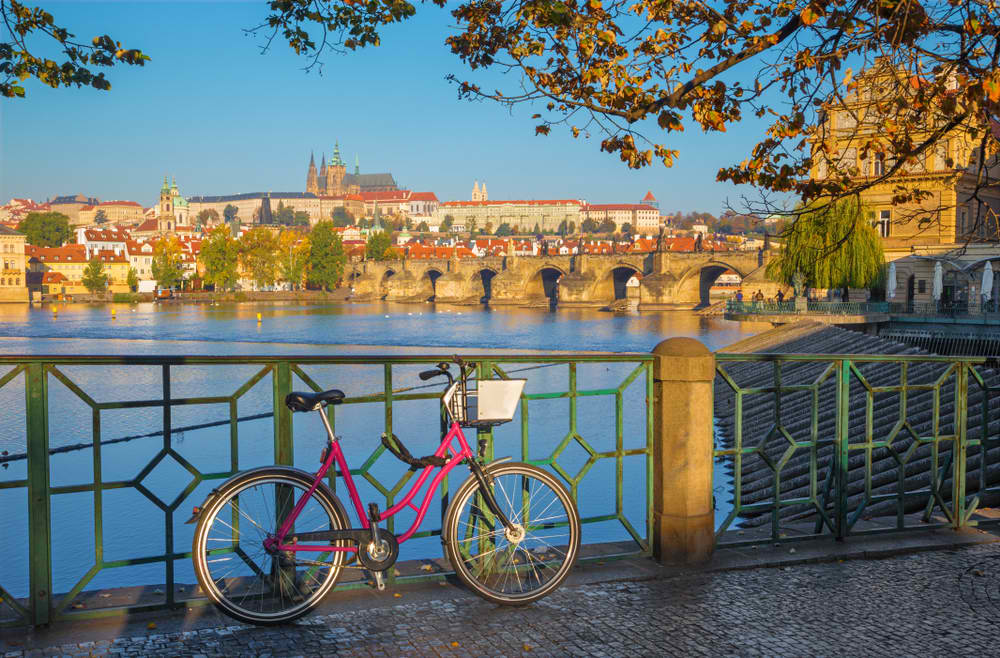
(224, 119)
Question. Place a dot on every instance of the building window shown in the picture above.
(878, 165)
(883, 222)
(964, 221)
(922, 286)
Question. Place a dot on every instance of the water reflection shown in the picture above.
(382, 324)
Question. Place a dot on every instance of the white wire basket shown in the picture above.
(491, 402)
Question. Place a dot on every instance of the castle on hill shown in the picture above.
(333, 180)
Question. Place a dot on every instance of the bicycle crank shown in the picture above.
(380, 556)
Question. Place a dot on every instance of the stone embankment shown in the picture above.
(772, 421)
(307, 296)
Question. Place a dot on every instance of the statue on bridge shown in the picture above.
(798, 283)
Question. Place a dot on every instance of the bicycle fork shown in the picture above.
(484, 486)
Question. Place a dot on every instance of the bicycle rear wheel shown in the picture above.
(233, 567)
(518, 566)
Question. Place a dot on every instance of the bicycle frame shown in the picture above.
(334, 453)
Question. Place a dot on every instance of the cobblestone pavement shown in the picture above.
(933, 603)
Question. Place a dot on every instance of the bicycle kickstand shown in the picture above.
(379, 580)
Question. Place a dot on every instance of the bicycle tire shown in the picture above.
(526, 567)
(286, 591)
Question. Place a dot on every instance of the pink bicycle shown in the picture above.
(271, 542)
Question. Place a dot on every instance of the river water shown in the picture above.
(133, 527)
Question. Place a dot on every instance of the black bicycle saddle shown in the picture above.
(312, 401)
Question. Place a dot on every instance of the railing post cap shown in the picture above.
(681, 346)
(683, 359)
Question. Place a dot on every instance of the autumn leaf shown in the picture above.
(809, 16)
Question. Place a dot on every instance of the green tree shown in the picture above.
(379, 246)
(207, 218)
(341, 217)
(589, 225)
(45, 229)
(230, 212)
(100, 216)
(168, 266)
(422, 227)
(94, 278)
(607, 226)
(284, 215)
(834, 246)
(301, 218)
(504, 230)
(626, 229)
(220, 257)
(132, 280)
(326, 256)
(538, 228)
(258, 255)
(446, 224)
(293, 258)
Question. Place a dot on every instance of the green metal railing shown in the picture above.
(285, 374)
(831, 440)
(812, 307)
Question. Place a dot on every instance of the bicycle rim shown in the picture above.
(240, 575)
(520, 566)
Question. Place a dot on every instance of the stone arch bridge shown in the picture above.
(665, 280)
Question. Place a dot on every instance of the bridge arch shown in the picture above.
(544, 283)
(383, 283)
(612, 284)
(428, 283)
(482, 279)
(696, 283)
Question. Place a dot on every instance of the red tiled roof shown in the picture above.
(148, 225)
(387, 195)
(423, 196)
(618, 206)
(54, 277)
(120, 203)
(70, 253)
(649, 196)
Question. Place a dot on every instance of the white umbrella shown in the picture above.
(890, 284)
(988, 281)
(938, 286)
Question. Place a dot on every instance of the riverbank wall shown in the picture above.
(900, 425)
(306, 296)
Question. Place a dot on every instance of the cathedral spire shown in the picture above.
(312, 159)
(357, 165)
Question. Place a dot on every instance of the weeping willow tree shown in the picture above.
(835, 246)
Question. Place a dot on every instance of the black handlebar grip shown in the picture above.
(430, 374)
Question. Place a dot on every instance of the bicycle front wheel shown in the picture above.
(237, 572)
(522, 564)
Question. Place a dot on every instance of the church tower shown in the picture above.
(165, 214)
(335, 173)
(475, 192)
(483, 196)
(322, 175)
(312, 181)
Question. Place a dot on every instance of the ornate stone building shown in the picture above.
(949, 215)
(13, 284)
(333, 180)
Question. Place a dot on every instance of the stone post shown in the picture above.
(683, 518)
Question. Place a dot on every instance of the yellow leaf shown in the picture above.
(454, 644)
(151, 625)
(398, 595)
(809, 16)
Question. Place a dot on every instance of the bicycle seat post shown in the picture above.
(326, 423)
